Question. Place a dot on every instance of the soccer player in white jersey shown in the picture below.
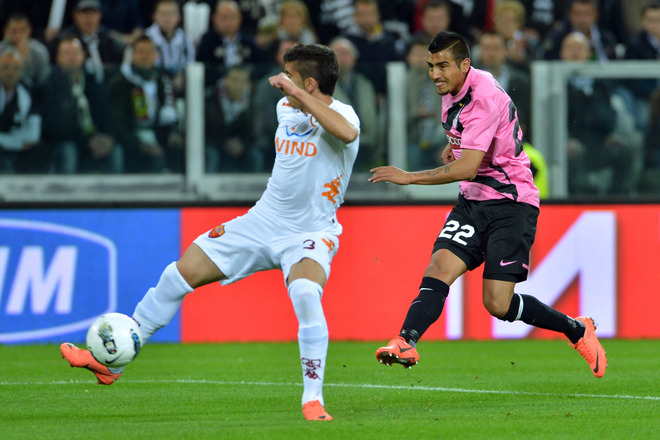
(293, 227)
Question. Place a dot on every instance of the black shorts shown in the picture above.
(497, 232)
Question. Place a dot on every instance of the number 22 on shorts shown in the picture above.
(454, 231)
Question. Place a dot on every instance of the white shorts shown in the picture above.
(250, 243)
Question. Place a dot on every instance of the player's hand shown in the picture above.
(390, 174)
(283, 82)
(448, 155)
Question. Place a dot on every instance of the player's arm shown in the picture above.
(330, 120)
(464, 168)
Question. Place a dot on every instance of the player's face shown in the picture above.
(292, 73)
(447, 76)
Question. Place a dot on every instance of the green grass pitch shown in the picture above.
(526, 389)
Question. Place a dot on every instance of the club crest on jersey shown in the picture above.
(217, 231)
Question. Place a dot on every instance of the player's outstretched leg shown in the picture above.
(77, 357)
(313, 410)
(313, 342)
(398, 351)
(590, 348)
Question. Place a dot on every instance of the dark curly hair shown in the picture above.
(315, 61)
(453, 42)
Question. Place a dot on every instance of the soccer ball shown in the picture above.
(114, 339)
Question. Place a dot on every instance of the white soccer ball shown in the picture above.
(114, 339)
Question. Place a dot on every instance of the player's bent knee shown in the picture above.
(496, 306)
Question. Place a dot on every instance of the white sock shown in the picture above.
(161, 303)
(312, 335)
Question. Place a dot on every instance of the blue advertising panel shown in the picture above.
(60, 269)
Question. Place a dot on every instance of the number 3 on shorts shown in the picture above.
(454, 231)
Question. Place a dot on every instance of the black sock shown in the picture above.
(425, 309)
(533, 312)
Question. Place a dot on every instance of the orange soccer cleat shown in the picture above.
(590, 349)
(398, 351)
(80, 358)
(313, 410)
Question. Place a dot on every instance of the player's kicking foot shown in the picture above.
(80, 358)
(313, 410)
(398, 351)
(590, 349)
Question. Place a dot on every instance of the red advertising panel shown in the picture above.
(599, 261)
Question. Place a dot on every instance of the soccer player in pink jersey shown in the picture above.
(494, 220)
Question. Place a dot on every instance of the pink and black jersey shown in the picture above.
(483, 117)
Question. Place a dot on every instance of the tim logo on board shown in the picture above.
(54, 279)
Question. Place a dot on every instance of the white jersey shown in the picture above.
(311, 172)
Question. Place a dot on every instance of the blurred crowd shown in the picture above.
(97, 85)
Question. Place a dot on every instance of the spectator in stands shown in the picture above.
(600, 160)
(622, 17)
(265, 99)
(331, 18)
(396, 17)
(34, 55)
(101, 50)
(583, 18)
(74, 111)
(224, 44)
(146, 120)
(20, 126)
(435, 17)
(469, 18)
(356, 90)
(645, 45)
(539, 169)
(543, 15)
(175, 48)
(123, 19)
(651, 179)
(39, 13)
(516, 82)
(521, 42)
(229, 125)
(426, 137)
(376, 47)
(294, 23)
